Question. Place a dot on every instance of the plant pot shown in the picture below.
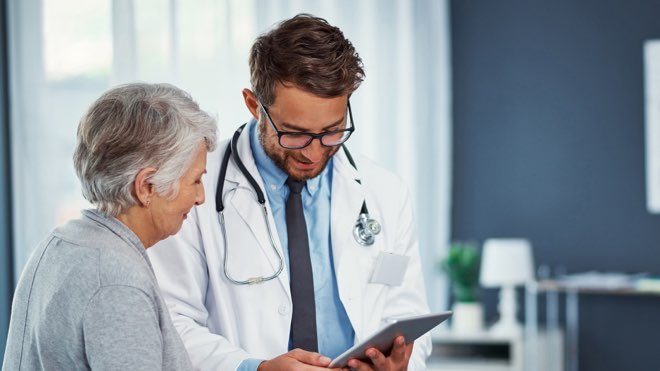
(467, 318)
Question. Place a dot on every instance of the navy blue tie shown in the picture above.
(303, 321)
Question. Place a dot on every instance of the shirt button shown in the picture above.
(313, 188)
(283, 309)
(273, 187)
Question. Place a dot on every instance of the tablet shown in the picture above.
(410, 327)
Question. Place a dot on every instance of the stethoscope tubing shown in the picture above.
(364, 231)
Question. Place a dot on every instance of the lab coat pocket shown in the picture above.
(389, 269)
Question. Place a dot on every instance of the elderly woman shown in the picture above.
(88, 298)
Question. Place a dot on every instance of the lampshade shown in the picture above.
(506, 262)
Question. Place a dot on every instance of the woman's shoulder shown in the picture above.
(125, 268)
(103, 256)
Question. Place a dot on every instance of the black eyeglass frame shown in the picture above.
(311, 136)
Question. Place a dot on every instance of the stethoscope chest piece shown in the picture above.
(365, 230)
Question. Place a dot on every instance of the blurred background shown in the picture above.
(506, 119)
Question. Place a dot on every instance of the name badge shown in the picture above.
(389, 269)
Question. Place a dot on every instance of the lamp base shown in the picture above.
(507, 324)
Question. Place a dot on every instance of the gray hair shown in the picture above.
(134, 126)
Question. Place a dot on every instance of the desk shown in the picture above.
(552, 289)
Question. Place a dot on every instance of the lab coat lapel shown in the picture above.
(249, 209)
(347, 198)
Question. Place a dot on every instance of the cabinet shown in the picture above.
(484, 351)
(475, 351)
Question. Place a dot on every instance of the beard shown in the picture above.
(282, 156)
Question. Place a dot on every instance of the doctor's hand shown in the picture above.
(296, 359)
(397, 360)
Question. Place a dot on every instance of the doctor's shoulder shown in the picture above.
(379, 179)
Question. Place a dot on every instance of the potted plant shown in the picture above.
(462, 267)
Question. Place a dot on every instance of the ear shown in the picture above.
(144, 190)
(251, 103)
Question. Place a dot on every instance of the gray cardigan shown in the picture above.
(88, 299)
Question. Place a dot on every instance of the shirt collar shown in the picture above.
(273, 176)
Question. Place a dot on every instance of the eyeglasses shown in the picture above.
(298, 140)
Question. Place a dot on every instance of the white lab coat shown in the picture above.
(222, 323)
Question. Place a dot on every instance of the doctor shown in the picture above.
(305, 250)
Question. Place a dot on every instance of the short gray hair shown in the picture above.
(134, 126)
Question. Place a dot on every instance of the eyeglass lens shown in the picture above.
(327, 139)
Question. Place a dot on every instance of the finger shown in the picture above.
(409, 349)
(357, 365)
(310, 358)
(377, 358)
(398, 353)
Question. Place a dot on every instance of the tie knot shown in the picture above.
(295, 186)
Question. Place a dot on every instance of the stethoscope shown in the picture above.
(364, 231)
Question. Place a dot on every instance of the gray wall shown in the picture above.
(548, 105)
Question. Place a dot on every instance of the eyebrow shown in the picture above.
(286, 125)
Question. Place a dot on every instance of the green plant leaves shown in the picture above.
(462, 267)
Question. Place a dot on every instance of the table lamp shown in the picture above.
(506, 263)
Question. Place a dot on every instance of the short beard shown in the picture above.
(280, 158)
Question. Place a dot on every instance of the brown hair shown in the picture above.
(307, 52)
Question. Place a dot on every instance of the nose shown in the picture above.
(199, 196)
(314, 151)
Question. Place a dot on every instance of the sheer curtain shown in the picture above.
(64, 53)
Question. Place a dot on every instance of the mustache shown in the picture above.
(302, 158)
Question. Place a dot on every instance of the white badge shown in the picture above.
(389, 269)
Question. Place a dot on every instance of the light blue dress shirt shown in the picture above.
(333, 328)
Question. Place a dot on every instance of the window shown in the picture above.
(65, 53)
